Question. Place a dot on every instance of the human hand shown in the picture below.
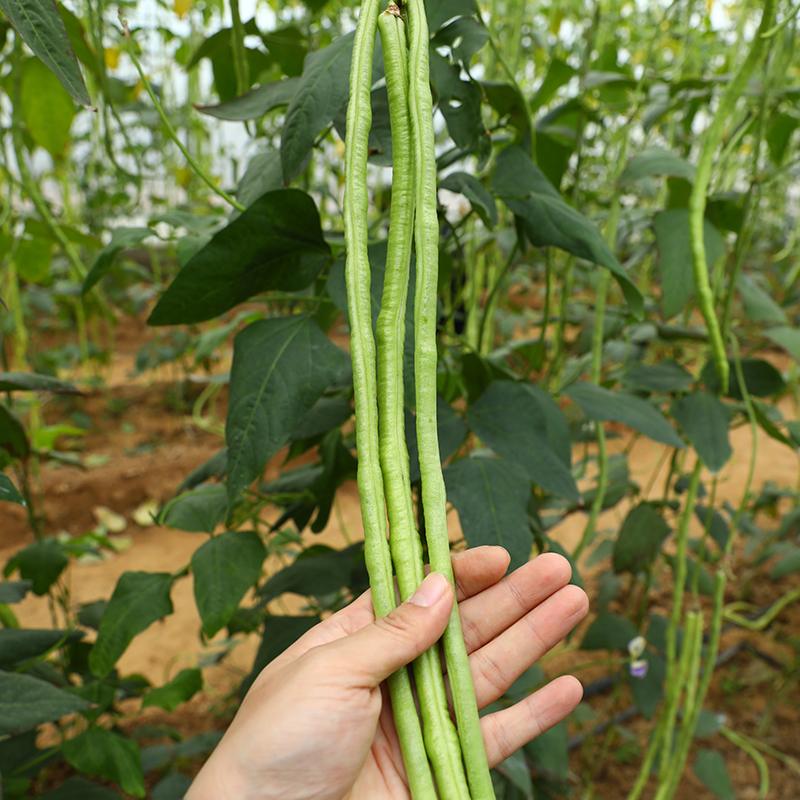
(317, 722)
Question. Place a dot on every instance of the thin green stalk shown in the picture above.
(240, 66)
(695, 706)
(362, 350)
(425, 362)
(697, 199)
(761, 762)
(677, 593)
(485, 332)
(193, 163)
(439, 734)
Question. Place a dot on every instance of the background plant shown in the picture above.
(584, 151)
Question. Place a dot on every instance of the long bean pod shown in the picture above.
(426, 230)
(362, 351)
(439, 734)
(697, 199)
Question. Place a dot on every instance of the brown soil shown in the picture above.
(144, 441)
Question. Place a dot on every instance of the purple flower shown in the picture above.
(638, 668)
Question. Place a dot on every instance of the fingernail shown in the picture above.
(430, 591)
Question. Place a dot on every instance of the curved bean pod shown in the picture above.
(362, 351)
(439, 733)
(425, 361)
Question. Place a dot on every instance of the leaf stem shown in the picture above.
(193, 163)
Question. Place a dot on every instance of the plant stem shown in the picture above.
(240, 65)
(193, 163)
(697, 199)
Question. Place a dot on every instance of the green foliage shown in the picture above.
(552, 189)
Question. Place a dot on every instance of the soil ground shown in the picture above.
(143, 441)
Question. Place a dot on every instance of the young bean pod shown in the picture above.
(425, 363)
(362, 350)
(441, 739)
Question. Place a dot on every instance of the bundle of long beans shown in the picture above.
(433, 747)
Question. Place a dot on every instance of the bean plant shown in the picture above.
(547, 233)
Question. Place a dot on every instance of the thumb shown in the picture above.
(391, 642)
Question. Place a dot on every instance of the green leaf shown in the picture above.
(608, 632)
(42, 29)
(666, 376)
(524, 425)
(717, 528)
(323, 88)
(656, 161)
(121, 238)
(276, 244)
(708, 723)
(559, 73)
(13, 591)
(101, 752)
(255, 103)
(779, 134)
(33, 258)
(139, 600)
(224, 568)
(548, 220)
(464, 36)
(758, 305)
(787, 338)
(440, 11)
(379, 144)
(704, 420)
(711, 768)
(46, 108)
(648, 691)
(480, 198)
(41, 563)
(281, 367)
(639, 539)
(12, 433)
(76, 788)
(491, 497)
(325, 415)
(22, 644)
(199, 510)
(218, 42)
(317, 571)
(460, 103)
(760, 378)
(602, 405)
(451, 432)
(30, 382)
(675, 262)
(26, 702)
(516, 771)
(279, 633)
(788, 565)
(548, 753)
(185, 685)
(8, 492)
(263, 175)
(289, 47)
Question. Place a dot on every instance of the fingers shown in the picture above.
(497, 608)
(374, 652)
(478, 568)
(473, 570)
(504, 732)
(496, 665)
